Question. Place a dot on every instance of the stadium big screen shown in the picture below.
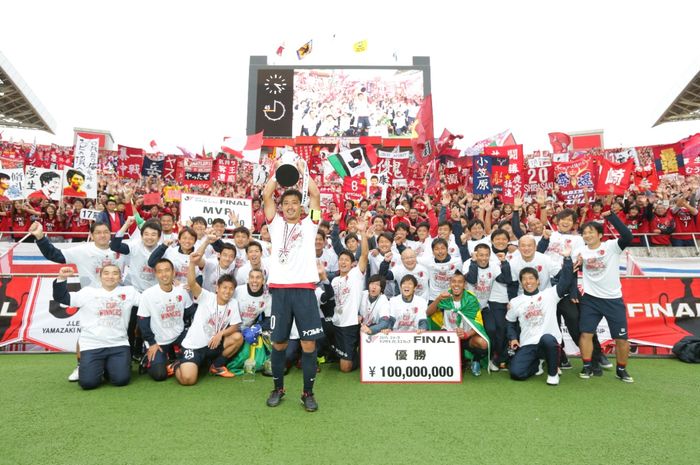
(335, 101)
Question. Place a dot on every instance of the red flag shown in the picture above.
(668, 159)
(152, 199)
(613, 178)
(560, 142)
(446, 142)
(198, 172)
(355, 187)
(691, 154)
(451, 178)
(186, 152)
(573, 178)
(226, 170)
(691, 146)
(371, 154)
(280, 49)
(434, 179)
(646, 177)
(245, 148)
(169, 168)
(424, 144)
(129, 162)
(499, 165)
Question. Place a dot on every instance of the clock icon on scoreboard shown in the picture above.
(275, 112)
(275, 84)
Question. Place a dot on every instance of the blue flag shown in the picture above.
(482, 175)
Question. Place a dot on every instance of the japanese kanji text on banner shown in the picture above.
(408, 357)
(216, 207)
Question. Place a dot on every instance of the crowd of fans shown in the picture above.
(665, 217)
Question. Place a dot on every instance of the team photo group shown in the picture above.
(304, 283)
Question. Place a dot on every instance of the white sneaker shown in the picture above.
(540, 368)
(74, 375)
(492, 366)
(553, 380)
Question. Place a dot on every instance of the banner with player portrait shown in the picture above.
(11, 184)
(41, 183)
(83, 177)
(573, 178)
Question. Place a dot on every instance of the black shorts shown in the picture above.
(347, 339)
(295, 304)
(593, 309)
(200, 356)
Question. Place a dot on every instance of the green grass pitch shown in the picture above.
(491, 419)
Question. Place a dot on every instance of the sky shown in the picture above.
(177, 72)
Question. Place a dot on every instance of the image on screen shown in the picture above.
(356, 102)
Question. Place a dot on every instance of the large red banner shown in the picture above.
(661, 311)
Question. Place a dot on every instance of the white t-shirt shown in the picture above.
(172, 236)
(180, 262)
(266, 247)
(243, 273)
(212, 272)
(209, 252)
(250, 307)
(453, 249)
(601, 270)
(241, 257)
(104, 315)
(424, 248)
(486, 278)
(89, 260)
(209, 319)
(557, 242)
(329, 260)
(546, 268)
(140, 275)
(376, 262)
(293, 263)
(421, 274)
(372, 312)
(439, 274)
(537, 315)
(450, 317)
(348, 292)
(166, 311)
(471, 244)
(407, 315)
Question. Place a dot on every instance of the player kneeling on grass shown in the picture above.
(161, 319)
(407, 311)
(104, 319)
(462, 314)
(536, 312)
(215, 332)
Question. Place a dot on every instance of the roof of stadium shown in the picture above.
(19, 107)
(686, 106)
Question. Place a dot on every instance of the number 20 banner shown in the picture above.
(408, 357)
